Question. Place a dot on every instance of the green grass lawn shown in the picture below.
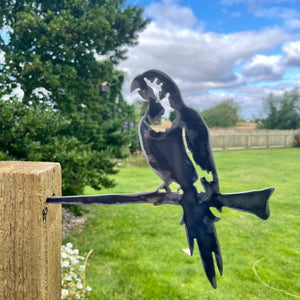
(137, 249)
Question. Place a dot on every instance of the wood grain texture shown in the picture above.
(30, 231)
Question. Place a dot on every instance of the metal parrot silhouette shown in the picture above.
(166, 154)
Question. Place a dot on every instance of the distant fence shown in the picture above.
(254, 139)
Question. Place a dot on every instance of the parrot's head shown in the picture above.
(154, 110)
(167, 85)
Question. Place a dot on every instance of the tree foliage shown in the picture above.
(225, 114)
(52, 51)
(283, 112)
(172, 115)
(140, 107)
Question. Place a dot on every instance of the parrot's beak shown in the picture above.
(145, 91)
(138, 83)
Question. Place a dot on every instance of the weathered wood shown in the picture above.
(30, 231)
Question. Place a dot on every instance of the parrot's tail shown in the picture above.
(199, 224)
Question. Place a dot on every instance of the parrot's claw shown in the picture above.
(165, 187)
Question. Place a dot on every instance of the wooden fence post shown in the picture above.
(30, 231)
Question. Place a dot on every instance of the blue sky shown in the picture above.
(220, 49)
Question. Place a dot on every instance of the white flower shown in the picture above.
(88, 288)
(69, 245)
(82, 267)
(73, 282)
(65, 263)
(64, 293)
(74, 260)
(79, 285)
(75, 252)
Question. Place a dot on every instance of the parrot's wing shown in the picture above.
(198, 139)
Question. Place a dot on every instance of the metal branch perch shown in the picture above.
(111, 199)
(255, 202)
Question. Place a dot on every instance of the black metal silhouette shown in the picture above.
(166, 154)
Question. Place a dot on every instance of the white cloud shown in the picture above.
(297, 82)
(205, 63)
(277, 12)
(197, 56)
(197, 60)
(255, 4)
(292, 24)
(251, 98)
(168, 13)
(290, 17)
(261, 68)
(292, 52)
(202, 101)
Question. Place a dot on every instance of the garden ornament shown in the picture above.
(167, 155)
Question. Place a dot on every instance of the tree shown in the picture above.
(172, 115)
(283, 112)
(224, 114)
(37, 133)
(65, 114)
(140, 108)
